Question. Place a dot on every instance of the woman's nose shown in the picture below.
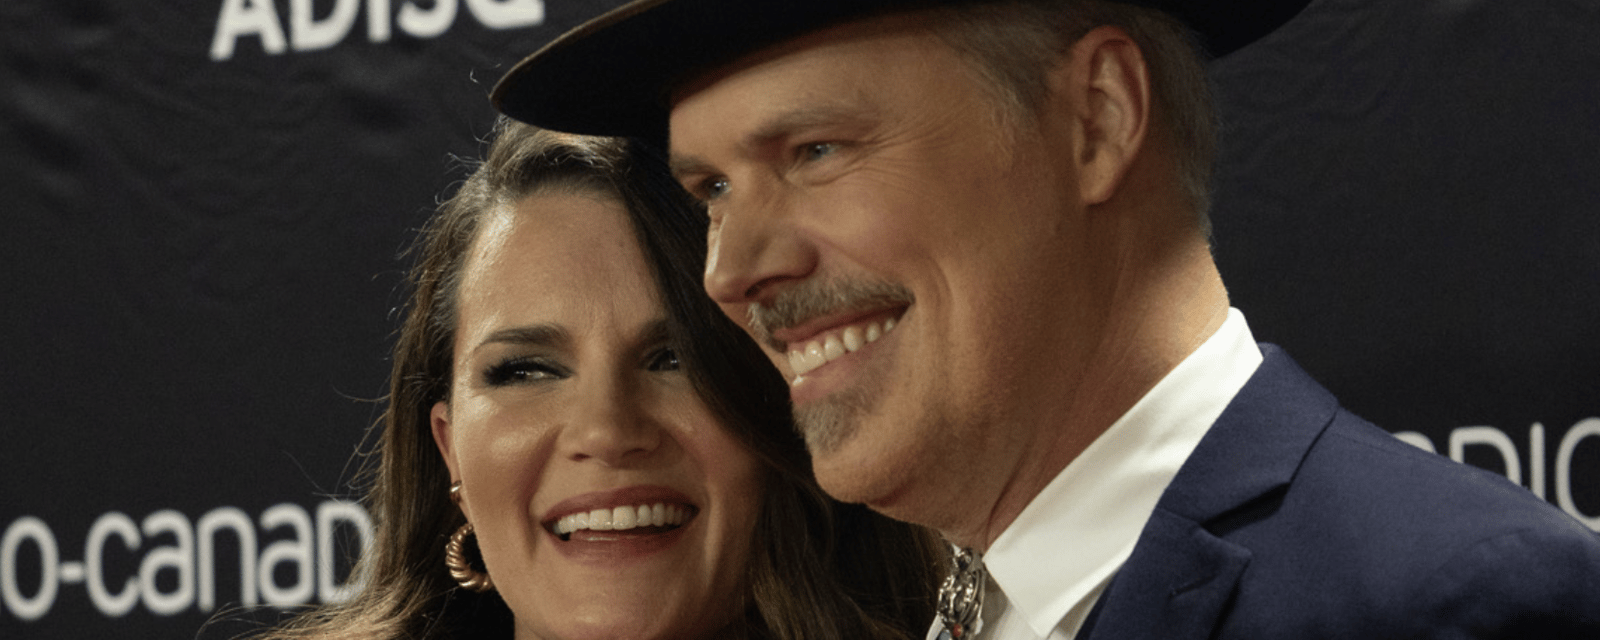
(610, 424)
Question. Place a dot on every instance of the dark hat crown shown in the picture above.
(611, 75)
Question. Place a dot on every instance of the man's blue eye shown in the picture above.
(714, 188)
(817, 150)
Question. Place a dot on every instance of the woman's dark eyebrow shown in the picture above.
(557, 336)
(547, 335)
(653, 333)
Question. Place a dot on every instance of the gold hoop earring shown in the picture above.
(455, 559)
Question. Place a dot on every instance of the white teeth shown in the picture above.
(621, 518)
(624, 518)
(815, 356)
(853, 339)
(834, 345)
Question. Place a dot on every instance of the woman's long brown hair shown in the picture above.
(820, 569)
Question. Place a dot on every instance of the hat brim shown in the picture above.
(611, 75)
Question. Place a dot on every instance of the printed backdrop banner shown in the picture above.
(206, 202)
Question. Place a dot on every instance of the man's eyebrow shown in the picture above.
(788, 123)
(682, 165)
(777, 127)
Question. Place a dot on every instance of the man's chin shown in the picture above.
(844, 458)
(829, 423)
(853, 474)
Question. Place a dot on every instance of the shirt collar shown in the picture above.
(1083, 525)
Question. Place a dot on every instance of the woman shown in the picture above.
(596, 473)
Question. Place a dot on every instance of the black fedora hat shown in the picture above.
(611, 75)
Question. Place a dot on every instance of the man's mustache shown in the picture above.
(813, 298)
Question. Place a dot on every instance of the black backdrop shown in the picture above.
(204, 202)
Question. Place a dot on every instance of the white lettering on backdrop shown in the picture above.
(311, 29)
(177, 561)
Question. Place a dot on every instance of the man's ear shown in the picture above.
(439, 420)
(1106, 84)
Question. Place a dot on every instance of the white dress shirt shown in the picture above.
(1048, 568)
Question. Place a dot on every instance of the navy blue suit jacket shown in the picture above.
(1296, 519)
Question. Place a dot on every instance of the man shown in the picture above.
(973, 235)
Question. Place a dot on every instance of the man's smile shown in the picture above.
(805, 357)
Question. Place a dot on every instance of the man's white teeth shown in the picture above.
(853, 338)
(820, 352)
(832, 347)
(622, 518)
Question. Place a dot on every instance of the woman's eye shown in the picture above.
(663, 360)
(521, 370)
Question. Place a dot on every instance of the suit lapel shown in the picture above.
(1175, 585)
(1256, 445)
(1183, 573)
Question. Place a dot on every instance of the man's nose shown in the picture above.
(753, 249)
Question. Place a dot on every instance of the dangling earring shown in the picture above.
(456, 560)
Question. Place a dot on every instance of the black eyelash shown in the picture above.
(664, 359)
(519, 370)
